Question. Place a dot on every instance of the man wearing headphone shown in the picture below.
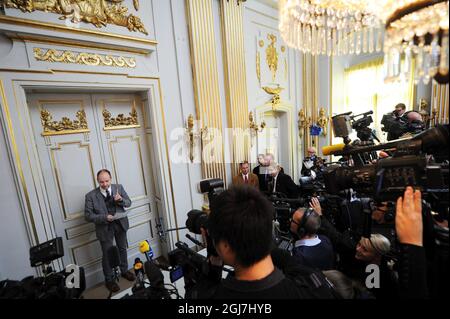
(311, 249)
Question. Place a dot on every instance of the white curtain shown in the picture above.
(365, 90)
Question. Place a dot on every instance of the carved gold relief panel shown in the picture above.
(120, 121)
(100, 13)
(68, 124)
(84, 58)
(271, 61)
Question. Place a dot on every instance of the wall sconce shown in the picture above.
(303, 122)
(322, 121)
(254, 128)
(434, 119)
(192, 135)
(423, 110)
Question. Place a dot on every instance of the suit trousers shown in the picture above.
(115, 231)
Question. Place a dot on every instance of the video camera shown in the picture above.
(394, 125)
(409, 166)
(52, 285)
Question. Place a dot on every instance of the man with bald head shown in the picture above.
(415, 124)
(105, 207)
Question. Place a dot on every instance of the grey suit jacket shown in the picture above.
(95, 210)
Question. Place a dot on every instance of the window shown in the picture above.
(365, 90)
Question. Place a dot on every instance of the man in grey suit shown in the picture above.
(101, 206)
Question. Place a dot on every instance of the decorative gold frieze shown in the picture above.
(121, 121)
(97, 12)
(272, 55)
(92, 59)
(65, 126)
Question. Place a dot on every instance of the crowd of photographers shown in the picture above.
(365, 249)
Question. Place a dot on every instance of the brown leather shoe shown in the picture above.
(129, 276)
(112, 286)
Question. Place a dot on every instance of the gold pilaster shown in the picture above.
(206, 84)
(235, 79)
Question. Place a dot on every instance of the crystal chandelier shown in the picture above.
(327, 27)
(416, 32)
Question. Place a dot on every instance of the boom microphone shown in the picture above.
(331, 149)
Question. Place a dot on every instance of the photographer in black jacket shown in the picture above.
(240, 228)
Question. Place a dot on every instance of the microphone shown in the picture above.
(114, 261)
(146, 249)
(139, 272)
(331, 149)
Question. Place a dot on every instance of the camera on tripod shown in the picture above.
(66, 284)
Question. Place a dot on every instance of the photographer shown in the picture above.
(395, 122)
(310, 249)
(240, 228)
(409, 228)
(414, 125)
(356, 252)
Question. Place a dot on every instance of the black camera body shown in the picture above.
(388, 178)
(50, 286)
(394, 125)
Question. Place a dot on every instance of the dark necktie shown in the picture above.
(108, 195)
(245, 179)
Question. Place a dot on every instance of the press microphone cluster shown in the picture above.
(139, 272)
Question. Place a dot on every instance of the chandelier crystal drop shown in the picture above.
(416, 32)
(333, 28)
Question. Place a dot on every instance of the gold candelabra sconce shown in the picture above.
(322, 121)
(304, 122)
(193, 134)
(423, 111)
(434, 117)
(255, 129)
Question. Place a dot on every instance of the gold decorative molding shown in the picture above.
(261, 43)
(136, 4)
(121, 121)
(39, 25)
(91, 59)
(258, 67)
(272, 55)
(275, 92)
(65, 126)
(190, 131)
(100, 13)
